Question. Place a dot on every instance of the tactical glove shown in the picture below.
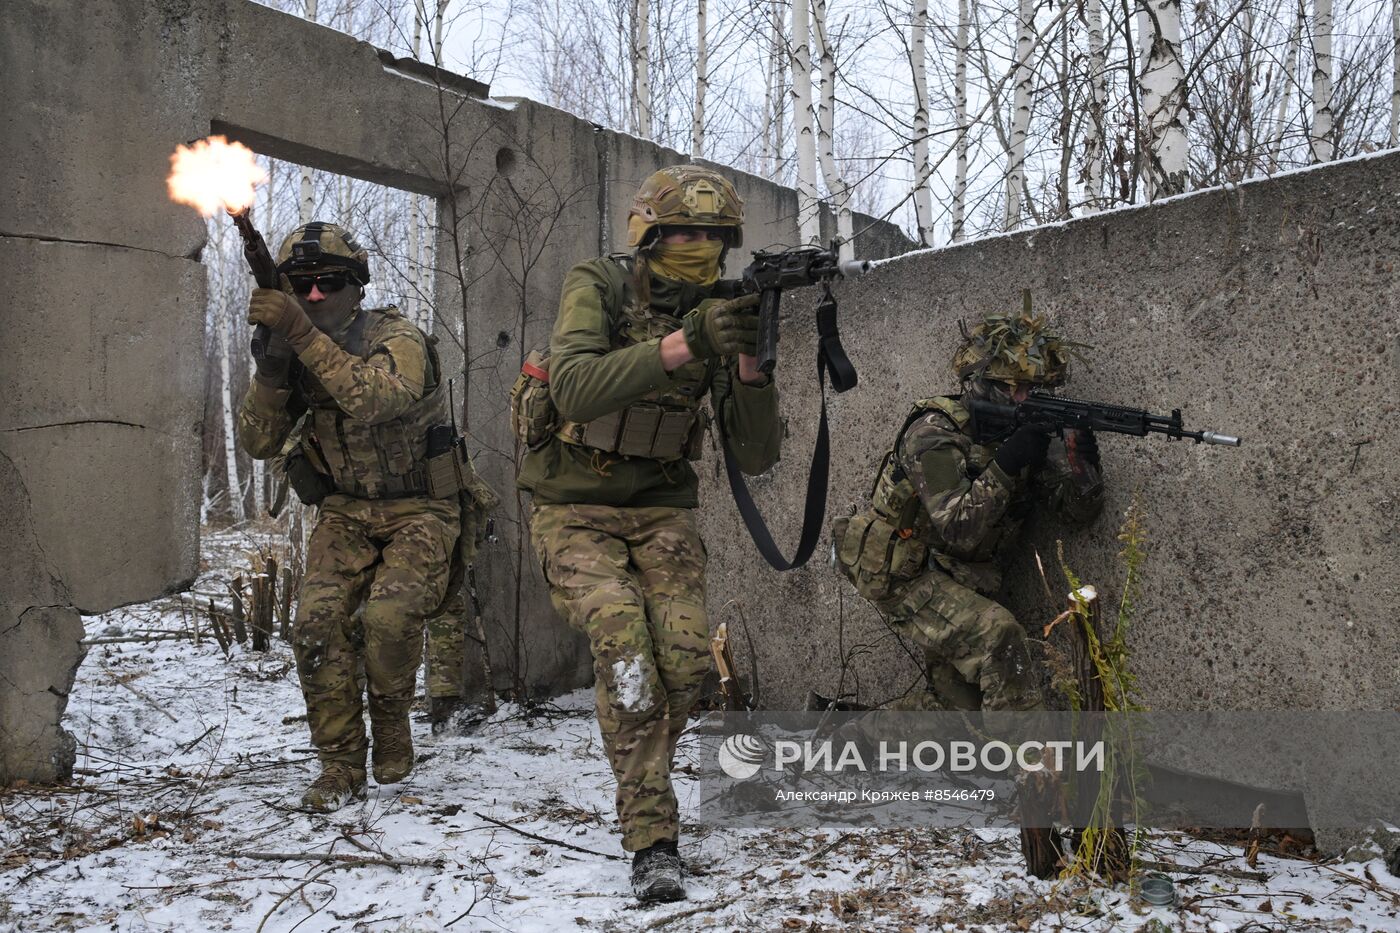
(1026, 447)
(275, 362)
(1083, 447)
(722, 328)
(282, 315)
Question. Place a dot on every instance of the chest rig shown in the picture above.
(386, 460)
(667, 424)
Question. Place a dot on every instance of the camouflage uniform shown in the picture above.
(616, 532)
(927, 550)
(368, 392)
(446, 660)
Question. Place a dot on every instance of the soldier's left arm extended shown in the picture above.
(755, 431)
(378, 388)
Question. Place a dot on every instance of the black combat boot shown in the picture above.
(656, 874)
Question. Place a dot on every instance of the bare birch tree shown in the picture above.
(808, 207)
(1320, 133)
(641, 67)
(836, 186)
(702, 82)
(1289, 78)
(959, 208)
(1098, 96)
(1395, 72)
(1020, 114)
(918, 65)
(1163, 87)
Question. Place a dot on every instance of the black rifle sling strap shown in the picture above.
(831, 357)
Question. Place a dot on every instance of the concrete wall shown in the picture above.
(1271, 311)
(102, 369)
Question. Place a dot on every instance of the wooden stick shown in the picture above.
(284, 606)
(219, 634)
(1207, 870)
(240, 629)
(154, 705)
(346, 858)
(690, 912)
(545, 839)
(724, 664)
(120, 639)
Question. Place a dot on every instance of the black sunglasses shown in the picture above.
(328, 282)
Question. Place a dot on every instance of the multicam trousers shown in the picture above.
(976, 650)
(633, 581)
(392, 555)
(446, 674)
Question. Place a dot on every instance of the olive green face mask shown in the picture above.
(696, 262)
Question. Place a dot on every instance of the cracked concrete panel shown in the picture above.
(101, 399)
(83, 164)
(40, 635)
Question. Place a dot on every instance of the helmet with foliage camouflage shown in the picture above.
(1015, 347)
(685, 196)
(317, 245)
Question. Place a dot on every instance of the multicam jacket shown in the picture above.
(941, 500)
(372, 394)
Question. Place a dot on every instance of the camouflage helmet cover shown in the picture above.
(1015, 347)
(685, 196)
(316, 245)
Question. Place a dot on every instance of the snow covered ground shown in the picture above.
(190, 766)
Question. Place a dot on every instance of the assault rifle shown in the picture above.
(992, 422)
(770, 273)
(773, 271)
(264, 273)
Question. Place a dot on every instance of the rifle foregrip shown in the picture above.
(768, 331)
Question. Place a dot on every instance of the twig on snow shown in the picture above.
(342, 858)
(545, 839)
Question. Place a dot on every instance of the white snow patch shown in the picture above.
(155, 830)
(632, 686)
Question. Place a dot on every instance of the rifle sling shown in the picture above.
(831, 357)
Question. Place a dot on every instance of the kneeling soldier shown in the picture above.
(945, 504)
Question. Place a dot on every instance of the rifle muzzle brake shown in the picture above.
(1214, 437)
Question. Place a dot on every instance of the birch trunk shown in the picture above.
(960, 116)
(767, 150)
(1290, 77)
(1163, 89)
(235, 487)
(1066, 128)
(307, 201)
(702, 83)
(641, 67)
(1395, 72)
(836, 185)
(918, 64)
(437, 32)
(1320, 135)
(1098, 96)
(1247, 89)
(808, 208)
(1020, 114)
(779, 71)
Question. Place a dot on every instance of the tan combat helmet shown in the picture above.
(685, 196)
(318, 245)
(1015, 347)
